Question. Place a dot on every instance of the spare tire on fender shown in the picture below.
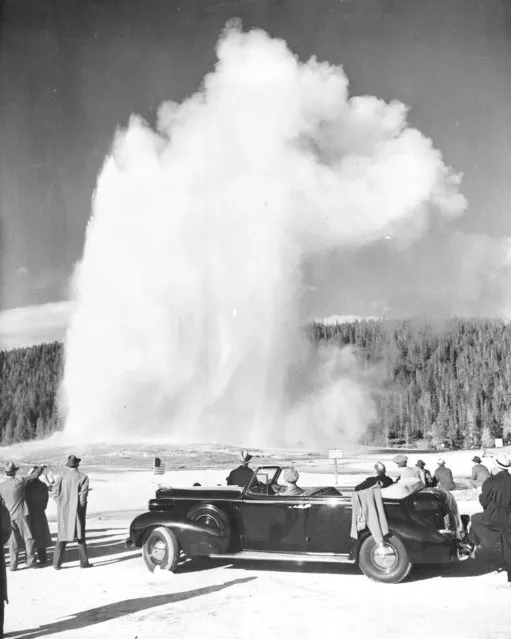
(212, 516)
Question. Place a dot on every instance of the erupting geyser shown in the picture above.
(187, 322)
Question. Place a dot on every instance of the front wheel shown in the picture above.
(161, 550)
(386, 561)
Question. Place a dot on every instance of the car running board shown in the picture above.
(260, 555)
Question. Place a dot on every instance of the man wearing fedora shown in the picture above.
(12, 491)
(480, 473)
(241, 475)
(491, 529)
(70, 492)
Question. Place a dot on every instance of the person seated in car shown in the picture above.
(427, 477)
(380, 478)
(241, 475)
(406, 473)
(291, 476)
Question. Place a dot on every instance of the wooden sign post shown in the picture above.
(335, 454)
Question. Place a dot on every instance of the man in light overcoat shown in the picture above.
(70, 492)
(12, 491)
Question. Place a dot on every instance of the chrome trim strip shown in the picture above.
(261, 555)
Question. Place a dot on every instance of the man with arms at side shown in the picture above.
(70, 492)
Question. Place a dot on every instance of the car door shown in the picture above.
(272, 523)
(328, 525)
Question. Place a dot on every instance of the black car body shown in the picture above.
(257, 522)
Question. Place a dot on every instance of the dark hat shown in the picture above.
(476, 459)
(11, 468)
(420, 463)
(73, 461)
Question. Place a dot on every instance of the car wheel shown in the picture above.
(386, 561)
(211, 516)
(161, 550)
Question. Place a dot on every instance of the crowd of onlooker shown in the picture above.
(23, 521)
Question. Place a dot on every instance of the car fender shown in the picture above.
(424, 544)
(194, 538)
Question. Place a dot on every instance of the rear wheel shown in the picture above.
(161, 550)
(386, 561)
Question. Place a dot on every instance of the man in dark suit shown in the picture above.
(36, 496)
(241, 475)
(5, 533)
(491, 529)
(380, 478)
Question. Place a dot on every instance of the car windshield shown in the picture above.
(262, 481)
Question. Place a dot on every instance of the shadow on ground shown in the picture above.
(118, 609)
(107, 545)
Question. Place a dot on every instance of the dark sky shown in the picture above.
(73, 70)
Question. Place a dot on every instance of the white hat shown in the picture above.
(503, 461)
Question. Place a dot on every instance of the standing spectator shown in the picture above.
(480, 473)
(241, 475)
(427, 478)
(70, 493)
(492, 528)
(443, 475)
(36, 495)
(5, 533)
(12, 491)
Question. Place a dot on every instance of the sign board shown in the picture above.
(335, 453)
(499, 443)
(158, 466)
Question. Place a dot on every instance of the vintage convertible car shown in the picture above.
(257, 523)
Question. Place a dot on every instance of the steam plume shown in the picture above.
(187, 321)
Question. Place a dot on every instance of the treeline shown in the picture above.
(432, 384)
(29, 381)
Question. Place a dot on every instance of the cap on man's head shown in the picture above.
(400, 460)
(291, 475)
(503, 461)
(244, 456)
(73, 461)
(11, 468)
(441, 462)
(476, 459)
(420, 463)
